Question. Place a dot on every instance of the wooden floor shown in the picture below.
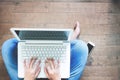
(99, 21)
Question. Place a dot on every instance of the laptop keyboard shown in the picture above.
(42, 52)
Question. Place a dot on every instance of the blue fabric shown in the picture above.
(79, 53)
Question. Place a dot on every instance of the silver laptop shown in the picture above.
(43, 43)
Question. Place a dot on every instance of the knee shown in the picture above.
(81, 47)
(8, 45)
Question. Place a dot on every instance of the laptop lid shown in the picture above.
(26, 34)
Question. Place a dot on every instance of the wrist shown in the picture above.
(56, 79)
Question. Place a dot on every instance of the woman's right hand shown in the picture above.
(32, 70)
(52, 69)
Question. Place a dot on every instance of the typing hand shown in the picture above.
(52, 69)
(32, 70)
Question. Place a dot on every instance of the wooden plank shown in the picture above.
(59, 18)
(105, 60)
(112, 51)
(61, 7)
(37, 7)
(79, 7)
(100, 78)
(84, 7)
(59, 0)
(101, 71)
(103, 40)
(33, 18)
(113, 40)
(33, 7)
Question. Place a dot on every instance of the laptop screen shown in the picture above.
(42, 35)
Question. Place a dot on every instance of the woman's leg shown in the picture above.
(9, 54)
(79, 53)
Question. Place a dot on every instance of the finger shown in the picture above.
(58, 64)
(48, 62)
(46, 72)
(25, 63)
(51, 63)
(37, 66)
(38, 63)
(48, 67)
(33, 62)
(30, 62)
(37, 72)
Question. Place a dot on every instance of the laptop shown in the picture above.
(43, 43)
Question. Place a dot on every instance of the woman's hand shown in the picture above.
(52, 69)
(32, 70)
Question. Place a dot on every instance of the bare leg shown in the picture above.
(76, 31)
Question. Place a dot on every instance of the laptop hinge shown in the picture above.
(44, 41)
